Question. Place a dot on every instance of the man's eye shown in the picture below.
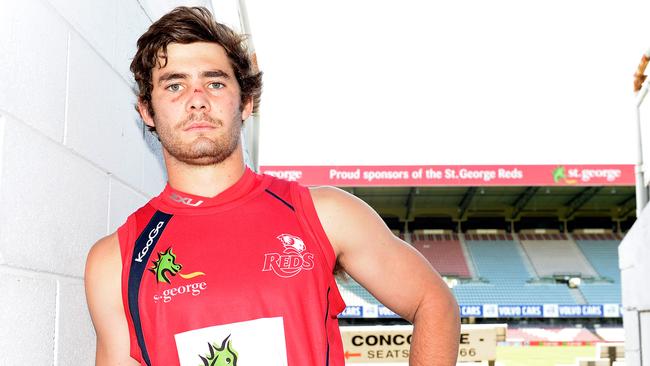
(174, 87)
(215, 85)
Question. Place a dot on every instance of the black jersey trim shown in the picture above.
(281, 200)
(144, 246)
(327, 334)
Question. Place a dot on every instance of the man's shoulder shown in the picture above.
(336, 208)
(328, 197)
(341, 208)
(106, 246)
(104, 256)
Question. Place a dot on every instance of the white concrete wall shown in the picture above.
(634, 262)
(74, 162)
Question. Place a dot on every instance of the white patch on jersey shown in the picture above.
(257, 342)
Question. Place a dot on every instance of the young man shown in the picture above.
(226, 266)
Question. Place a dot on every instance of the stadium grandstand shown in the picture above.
(544, 260)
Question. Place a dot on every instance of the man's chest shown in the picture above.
(216, 262)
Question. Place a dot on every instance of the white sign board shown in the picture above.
(390, 345)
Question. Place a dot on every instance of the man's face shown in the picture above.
(197, 104)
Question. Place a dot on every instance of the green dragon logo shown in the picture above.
(559, 174)
(220, 356)
(165, 264)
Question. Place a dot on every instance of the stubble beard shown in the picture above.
(203, 150)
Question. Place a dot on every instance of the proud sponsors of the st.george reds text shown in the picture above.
(456, 175)
(290, 175)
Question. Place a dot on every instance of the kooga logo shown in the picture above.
(152, 235)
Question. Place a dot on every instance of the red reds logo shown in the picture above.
(293, 259)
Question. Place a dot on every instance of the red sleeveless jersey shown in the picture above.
(243, 278)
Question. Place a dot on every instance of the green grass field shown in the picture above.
(542, 355)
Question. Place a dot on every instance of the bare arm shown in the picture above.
(104, 297)
(394, 272)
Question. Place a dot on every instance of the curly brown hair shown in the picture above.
(187, 25)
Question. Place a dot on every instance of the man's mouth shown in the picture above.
(199, 126)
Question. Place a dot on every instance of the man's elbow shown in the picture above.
(436, 330)
(454, 310)
(450, 307)
(441, 307)
(452, 304)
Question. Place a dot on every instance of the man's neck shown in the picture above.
(204, 180)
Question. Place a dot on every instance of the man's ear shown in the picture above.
(247, 110)
(143, 108)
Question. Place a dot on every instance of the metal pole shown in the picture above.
(633, 283)
(641, 86)
(252, 125)
(641, 191)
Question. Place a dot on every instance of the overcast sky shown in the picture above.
(361, 82)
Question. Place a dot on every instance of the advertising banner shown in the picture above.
(501, 311)
(551, 311)
(456, 175)
(520, 311)
(352, 312)
(580, 311)
(612, 310)
(384, 312)
(471, 310)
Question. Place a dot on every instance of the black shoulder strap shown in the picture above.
(144, 246)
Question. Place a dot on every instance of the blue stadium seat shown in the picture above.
(499, 262)
(507, 280)
(603, 256)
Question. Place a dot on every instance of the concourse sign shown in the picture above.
(376, 344)
(477, 344)
(390, 345)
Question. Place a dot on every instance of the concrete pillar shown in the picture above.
(634, 262)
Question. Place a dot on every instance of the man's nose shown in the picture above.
(198, 100)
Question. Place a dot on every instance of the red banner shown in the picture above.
(456, 175)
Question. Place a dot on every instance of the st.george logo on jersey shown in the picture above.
(292, 260)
